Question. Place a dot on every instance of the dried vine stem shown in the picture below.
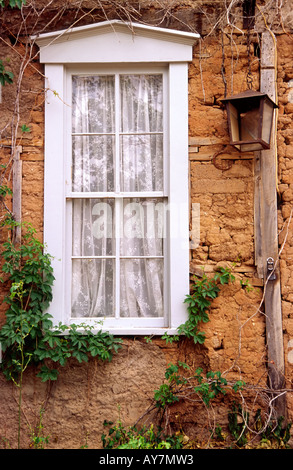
(166, 418)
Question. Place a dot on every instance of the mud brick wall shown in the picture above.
(86, 395)
(222, 186)
(285, 189)
(222, 183)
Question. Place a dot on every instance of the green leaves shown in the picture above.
(205, 290)
(180, 385)
(120, 437)
(13, 3)
(224, 275)
(5, 75)
(165, 396)
(68, 342)
(29, 336)
(4, 190)
(47, 374)
(25, 128)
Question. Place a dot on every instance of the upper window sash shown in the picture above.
(116, 132)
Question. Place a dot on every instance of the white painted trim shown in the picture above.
(115, 42)
(178, 195)
(54, 201)
(115, 26)
(57, 187)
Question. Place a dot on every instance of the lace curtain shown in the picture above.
(107, 274)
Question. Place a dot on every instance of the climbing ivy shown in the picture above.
(208, 386)
(180, 385)
(29, 336)
(12, 3)
(203, 292)
(5, 75)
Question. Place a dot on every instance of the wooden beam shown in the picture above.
(267, 231)
(208, 157)
(210, 268)
(198, 140)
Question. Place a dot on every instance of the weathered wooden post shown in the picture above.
(267, 249)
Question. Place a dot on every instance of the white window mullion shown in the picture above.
(166, 142)
(117, 134)
(106, 195)
(118, 201)
(69, 260)
(118, 234)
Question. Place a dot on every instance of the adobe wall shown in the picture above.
(223, 185)
(285, 190)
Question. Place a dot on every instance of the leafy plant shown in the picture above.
(276, 435)
(273, 435)
(211, 387)
(205, 290)
(13, 3)
(208, 386)
(5, 190)
(131, 437)
(170, 338)
(165, 396)
(245, 284)
(218, 432)
(25, 128)
(38, 440)
(29, 336)
(237, 424)
(78, 342)
(5, 75)
(167, 393)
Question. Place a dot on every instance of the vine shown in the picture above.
(120, 437)
(12, 3)
(205, 290)
(28, 336)
(208, 387)
(197, 386)
(6, 76)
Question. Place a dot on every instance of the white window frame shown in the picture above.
(109, 323)
(93, 48)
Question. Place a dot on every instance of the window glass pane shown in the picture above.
(142, 221)
(92, 165)
(141, 292)
(142, 163)
(92, 288)
(143, 227)
(141, 103)
(93, 112)
(93, 227)
(141, 113)
(93, 104)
